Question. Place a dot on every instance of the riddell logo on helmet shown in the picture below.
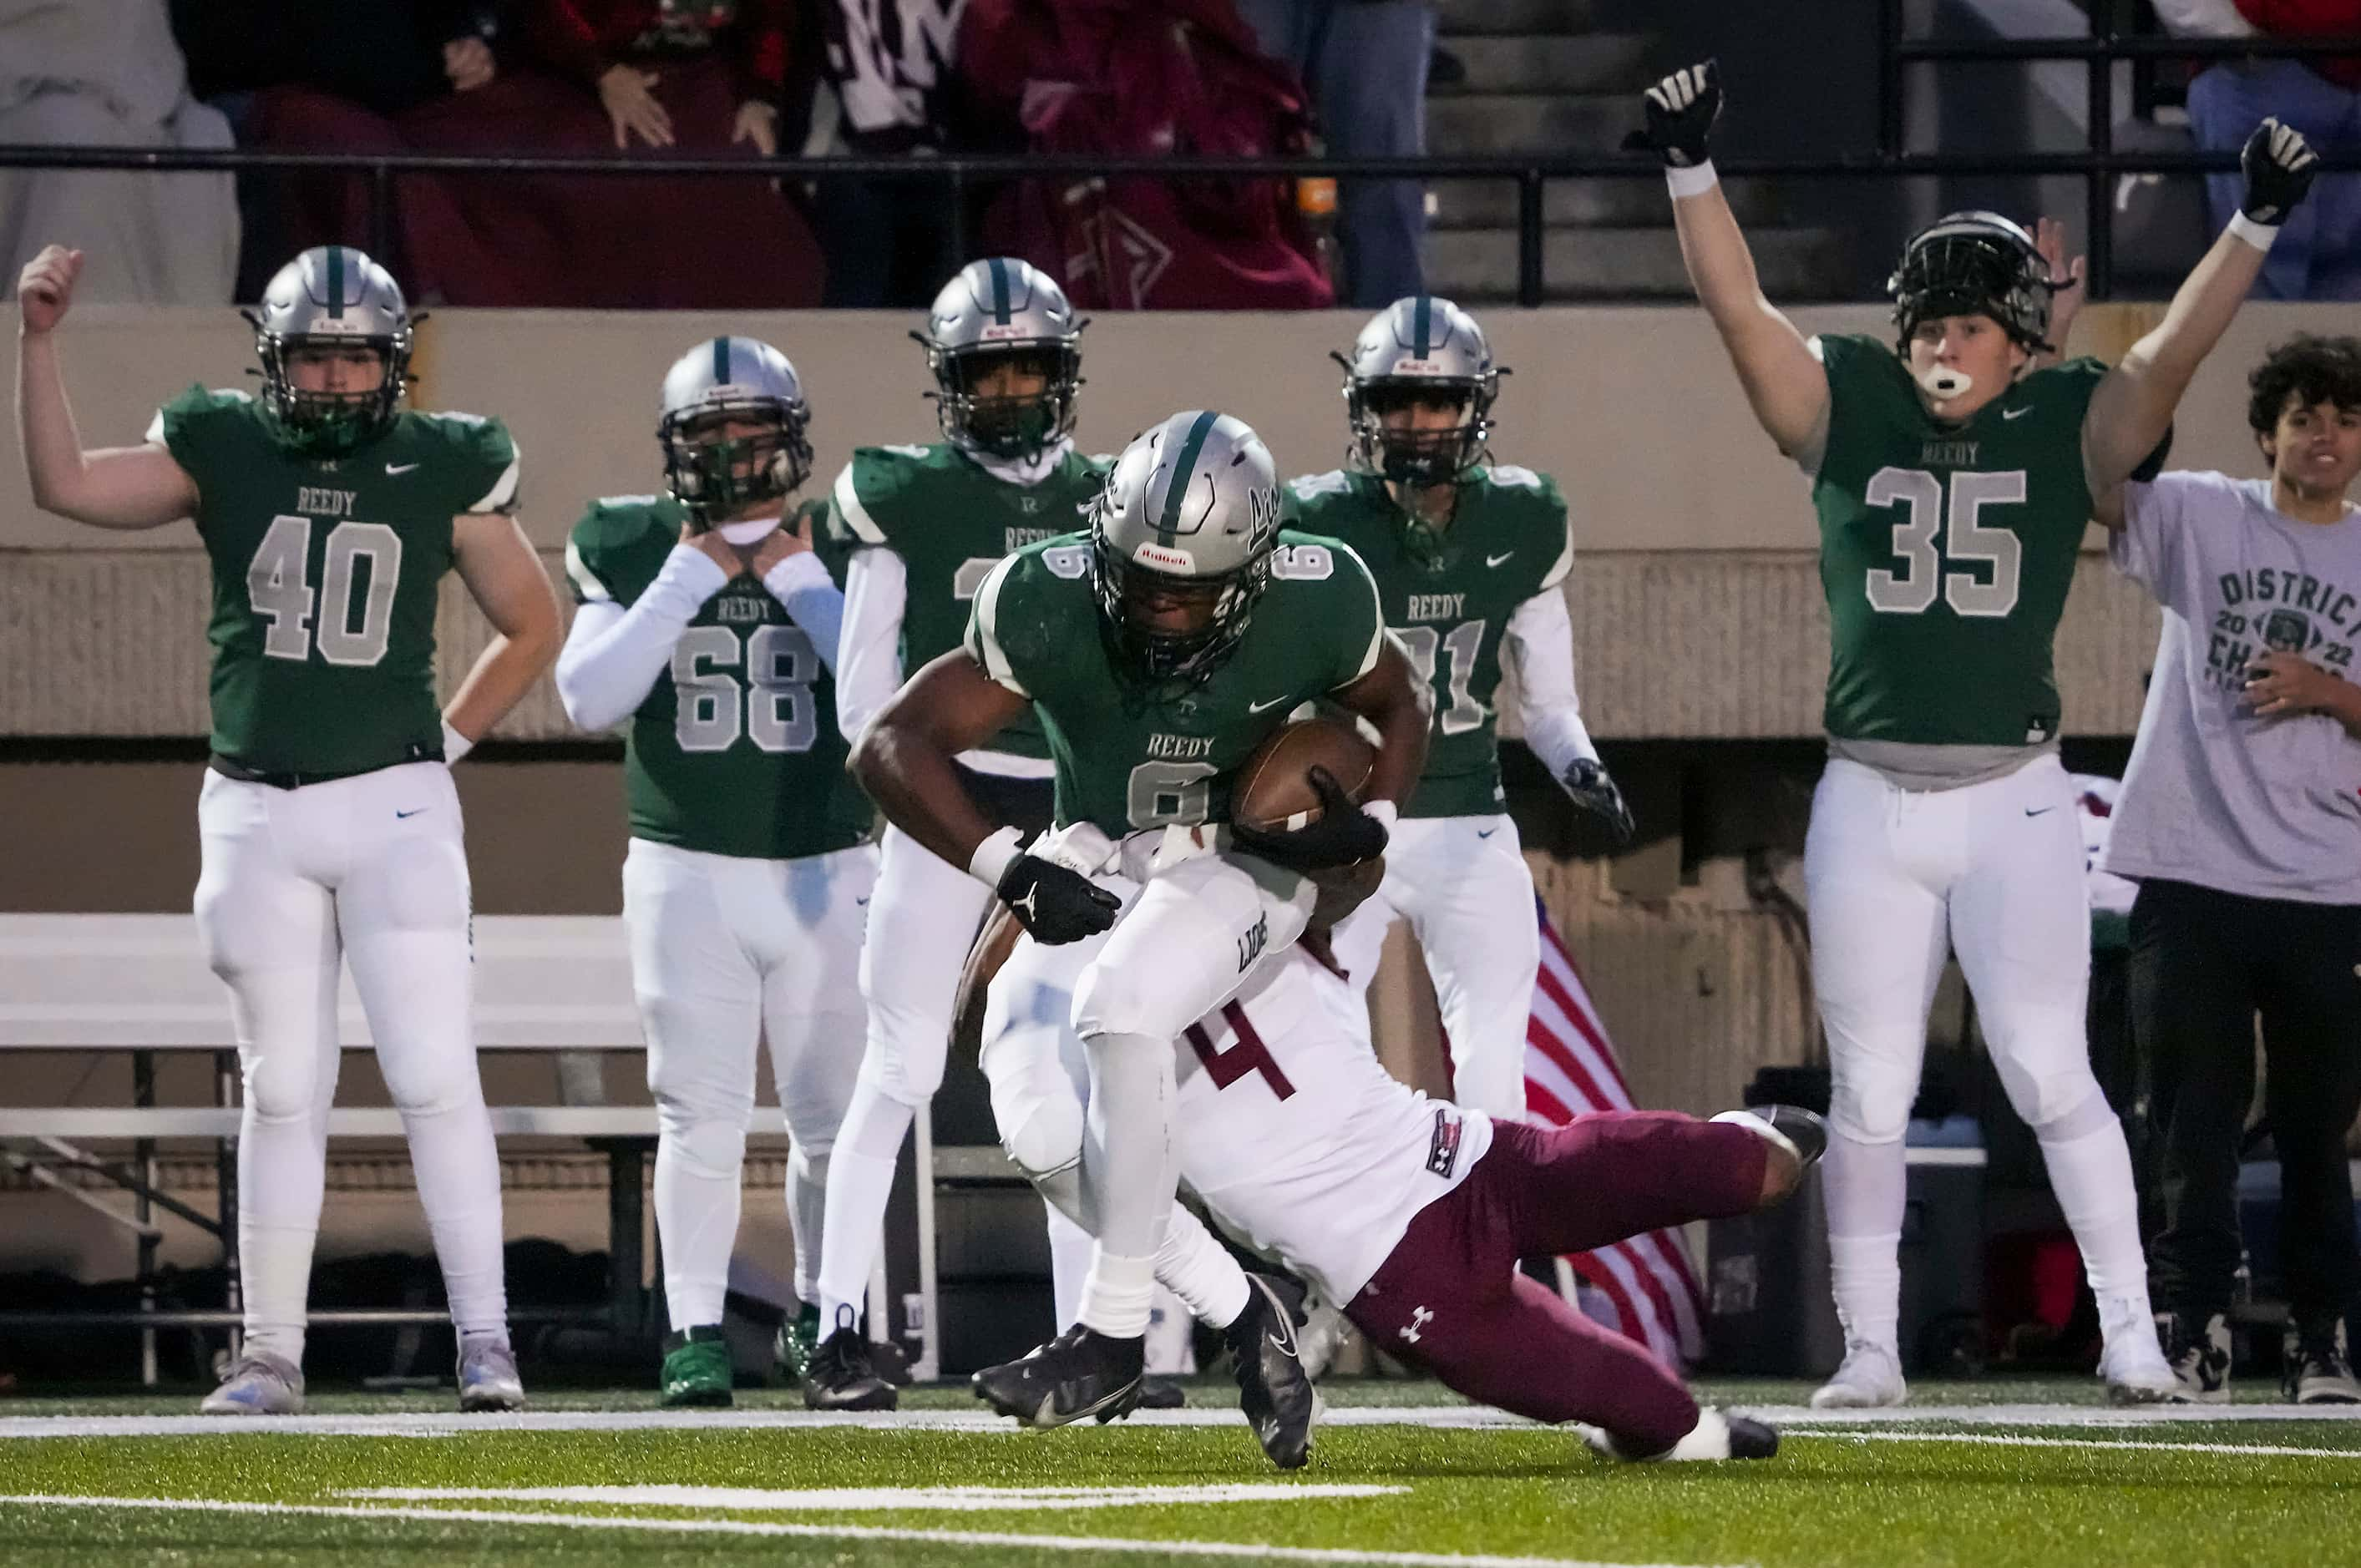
(994, 334)
(1418, 367)
(1164, 558)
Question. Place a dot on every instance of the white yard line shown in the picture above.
(2004, 1440)
(855, 1499)
(1796, 1419)
(1247, 1550)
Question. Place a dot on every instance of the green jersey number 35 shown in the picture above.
(1931, 537)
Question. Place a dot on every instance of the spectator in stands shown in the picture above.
(1365, 63)
(893, 94)
(2239, 819)
(106, 73)
(1146, 78)
(2318, 255)
(634, 78)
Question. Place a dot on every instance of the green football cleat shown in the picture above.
(695, 1367)
(791, 1353)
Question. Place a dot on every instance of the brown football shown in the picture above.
(1274, 790)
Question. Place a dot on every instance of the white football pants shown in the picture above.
(371, 870)
(1463, 883)
(727, 950)
(1896, 880)
(921, 923)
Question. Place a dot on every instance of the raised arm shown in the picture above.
(1782, 377)
(504, 577)
(2131, 410)
(120, 487)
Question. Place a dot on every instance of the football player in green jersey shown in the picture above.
(330, 828)
(1954, 475)
(927, 523)
(1158, 651)
(708, 621)
(1470, 563)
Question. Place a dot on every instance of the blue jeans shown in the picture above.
(1363, 63)
(2318, 253)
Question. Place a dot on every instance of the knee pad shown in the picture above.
(281, 1086)
(1870, 1112)
(704, 1144)
(1042, 1132)
(906, 1052)
(2045, 1069)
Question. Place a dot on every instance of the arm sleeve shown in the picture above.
(613, 656)
(1539, 647)
(801, 582)
(869, 657)
(2144, 548)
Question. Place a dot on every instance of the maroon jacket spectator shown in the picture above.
(1147, 78)
(676, 83)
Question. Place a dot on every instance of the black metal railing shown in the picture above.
(2097, 165)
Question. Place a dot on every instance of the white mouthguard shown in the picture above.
(1945, 382)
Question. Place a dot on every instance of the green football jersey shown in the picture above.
(735, 750)
(1448, 598)
(952, 522)
(1947, 551)
(324, 577)
(1126, 761)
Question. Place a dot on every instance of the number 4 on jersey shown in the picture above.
(1244, 1054)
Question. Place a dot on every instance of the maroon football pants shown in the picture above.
(1449, 1298)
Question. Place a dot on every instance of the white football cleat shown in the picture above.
(258, 1383)
(2133, 1365)
(487, 1376)
(1869, 1378)
(1719, 1434)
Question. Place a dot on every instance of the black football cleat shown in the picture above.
(1161, 1393)
(1080, 1372)
(1751, 1439)
(841, 1376)
(1279, 1400)
(1800, 1132)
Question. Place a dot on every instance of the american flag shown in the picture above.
(1646, 1284)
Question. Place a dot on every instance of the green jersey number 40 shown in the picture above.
(279, 586)
(1912, 588)
(772, 706)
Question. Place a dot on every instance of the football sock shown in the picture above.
(1069, 1253)
(697, 1165)
(1117, 1295)
(1128, 1173)
(281, 1170)
(1199, 1271)
(1864, 1186)
(860, 1181)
(807, 1217)
(2090, 1171)
(458, 1173)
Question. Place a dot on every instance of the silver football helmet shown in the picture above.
(722, 382)
(994, 311)
(332, 294)
(1180, 543)
(1416, 348)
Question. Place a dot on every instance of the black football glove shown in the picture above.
(1594, 792)
(1681, 111)
(1054, 904)
(1344, 834)
(2278, 165)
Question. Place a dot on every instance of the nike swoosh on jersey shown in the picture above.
(399, 467)
(2044, 811)
(2014, 414)
(1486, 832)
(1495, 560)
(1260, 707)
(415, 811)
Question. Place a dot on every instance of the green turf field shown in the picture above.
(1402, 1474)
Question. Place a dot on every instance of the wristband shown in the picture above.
(454, 745)
(1693, 180)
(2259, 235)
(1386, 812)
(989, 863)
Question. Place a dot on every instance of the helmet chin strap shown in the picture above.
(1946, 382)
